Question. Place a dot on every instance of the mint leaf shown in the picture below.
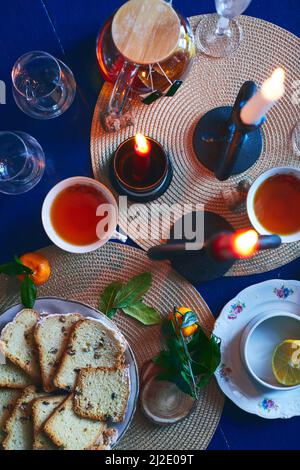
(133, 291)
(28, 292)
(143, 313)
(108, 297)
(14, 268)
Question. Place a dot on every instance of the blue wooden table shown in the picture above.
(67, 29)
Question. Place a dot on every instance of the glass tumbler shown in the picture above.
(22, 162)
(43, 86)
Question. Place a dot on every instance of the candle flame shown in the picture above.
(142, 145)
(273, 88)
(245, 243)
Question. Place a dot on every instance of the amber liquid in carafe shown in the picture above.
(163, 74)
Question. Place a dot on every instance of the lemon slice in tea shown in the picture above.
(286, 362)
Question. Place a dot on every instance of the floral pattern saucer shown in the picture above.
(232, 376)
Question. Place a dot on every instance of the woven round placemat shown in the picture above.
(83, 278)
(211, 83)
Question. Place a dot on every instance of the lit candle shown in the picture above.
(259, 105)
(142, 151)
(242, 244)
(142, 145)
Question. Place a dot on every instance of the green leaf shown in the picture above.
(185, 377)
(134, 290)
(111, 313)
(14, 268)
(190, 363)
(143, 313)
(205, 351)
(108, 297)
(28, 292)
(190, 318)
(204, 380)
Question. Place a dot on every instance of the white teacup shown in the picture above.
(293, 237)
(259, 340)
(112, 223)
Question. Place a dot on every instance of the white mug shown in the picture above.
(293, 237)
(112, 225)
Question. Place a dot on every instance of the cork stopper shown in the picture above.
(146, 31)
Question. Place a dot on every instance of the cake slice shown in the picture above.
(70, 432)
(8, 398)
(51, 335)
(12, 376)
(19, 344)
(42, 409)
(91, 344)
(102, 394)
(19, 427)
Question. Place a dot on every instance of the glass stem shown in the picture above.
(222, 26)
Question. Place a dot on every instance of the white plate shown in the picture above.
(52, 305)
(232, 376)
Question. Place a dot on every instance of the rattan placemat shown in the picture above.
(82, 278)
(211, 83)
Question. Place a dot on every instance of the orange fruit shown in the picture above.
(181, 311)
(189, 330)
(39, 265)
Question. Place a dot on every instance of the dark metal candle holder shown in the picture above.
(203, 265)
(153, 177)
(223, 143)
(195, 266)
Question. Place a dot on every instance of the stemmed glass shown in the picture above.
(43, 86)
(296, 139)
(220, 35)
(22, 162)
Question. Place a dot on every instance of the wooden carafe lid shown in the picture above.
(146, 31)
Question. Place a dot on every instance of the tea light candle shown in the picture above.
(141, 169)
(259, 105)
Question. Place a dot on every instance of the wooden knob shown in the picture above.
(146, 31)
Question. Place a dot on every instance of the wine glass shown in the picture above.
(296, 139)
(43, 87)
(22, 162)
(220, 35)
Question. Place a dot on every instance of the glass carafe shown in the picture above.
(143, 53)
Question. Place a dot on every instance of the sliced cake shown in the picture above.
(42, 409)
(92, 344)
(19, 344)
(102, 394)
(51, 335)
(12, 376)
(19, 427)
(70, 432)
(8, 398)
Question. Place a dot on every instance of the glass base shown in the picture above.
(68, 92)
(214, 45)
(33, 167)
(296, 139)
